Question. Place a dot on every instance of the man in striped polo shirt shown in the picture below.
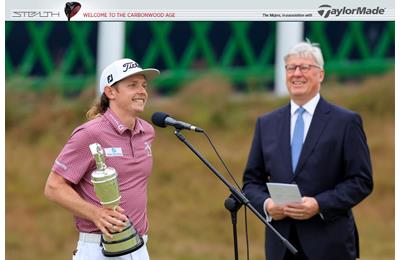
(126, 139)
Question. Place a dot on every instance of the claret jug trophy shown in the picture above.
(105, 184)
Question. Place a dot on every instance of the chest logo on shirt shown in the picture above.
(113, 151)
(147, 148)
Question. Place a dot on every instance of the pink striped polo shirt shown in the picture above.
(131, 158)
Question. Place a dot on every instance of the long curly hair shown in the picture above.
(100, 106)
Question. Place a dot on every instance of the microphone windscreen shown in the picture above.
(158, 118)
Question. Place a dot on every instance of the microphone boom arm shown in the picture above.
(239, 196)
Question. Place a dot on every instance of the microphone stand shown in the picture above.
(233, 206)
(236, 200)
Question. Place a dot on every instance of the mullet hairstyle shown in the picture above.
(100, 106)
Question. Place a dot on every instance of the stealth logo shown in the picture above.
(326, 10)
(33, 13)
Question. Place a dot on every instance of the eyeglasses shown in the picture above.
(304, 68)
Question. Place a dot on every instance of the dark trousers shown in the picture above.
(294, 240)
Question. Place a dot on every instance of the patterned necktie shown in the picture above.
(298, 135)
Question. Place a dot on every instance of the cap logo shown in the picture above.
(130, 65)
(109, 78)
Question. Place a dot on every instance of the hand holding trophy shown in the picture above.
(106, 186)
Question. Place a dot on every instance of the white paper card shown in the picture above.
(283, 193)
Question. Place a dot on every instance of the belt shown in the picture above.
(96, 238)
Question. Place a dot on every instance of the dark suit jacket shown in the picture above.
(334, 167)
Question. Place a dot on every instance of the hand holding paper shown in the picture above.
(304, 210)
(287, 201)
(283, 193)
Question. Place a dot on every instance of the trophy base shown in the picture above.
(123, 252)
(124, 242)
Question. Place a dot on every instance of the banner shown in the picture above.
(206, 10)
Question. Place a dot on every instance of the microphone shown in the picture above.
(162, 120)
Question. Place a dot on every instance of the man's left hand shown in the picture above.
(305, 209)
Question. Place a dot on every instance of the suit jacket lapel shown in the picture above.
(318, 123)
(284, 141)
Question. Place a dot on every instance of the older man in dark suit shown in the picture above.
(323, 149)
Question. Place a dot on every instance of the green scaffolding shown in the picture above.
(72, 66)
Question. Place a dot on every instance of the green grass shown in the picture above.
(186, 213)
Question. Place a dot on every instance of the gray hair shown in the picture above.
(307, 50)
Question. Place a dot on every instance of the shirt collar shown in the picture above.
(119, 126)
(309, 106)
(138, 126)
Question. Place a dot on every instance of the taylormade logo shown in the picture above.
(327, 10)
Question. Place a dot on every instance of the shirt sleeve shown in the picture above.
(75, 159)
(267, 216)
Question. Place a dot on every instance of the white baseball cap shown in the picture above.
(121, 69)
